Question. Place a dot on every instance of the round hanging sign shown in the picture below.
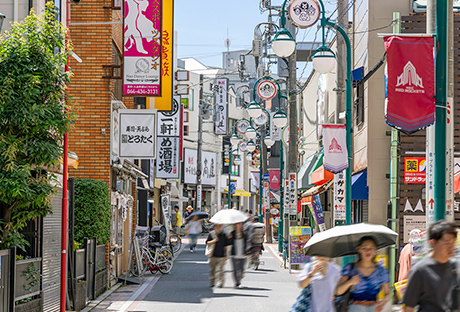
(262, 119)
(242, 125)
(304, 13)
(285, 136)
(266, 89)
(243, 146)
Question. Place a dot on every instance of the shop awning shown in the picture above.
(321, 176)
(303, 182)
(359, 188)
(317, 189)
(239, 193)
(175, 195)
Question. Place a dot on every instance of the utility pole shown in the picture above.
(342, 20)
(200, 143)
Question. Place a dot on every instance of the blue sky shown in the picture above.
(202, 27)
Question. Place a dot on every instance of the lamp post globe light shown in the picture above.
(268, 141)
(237, 160)
(280, 119)
(283, 44)
(323, 60)
(254, 109)
(249, 156)
(251, 146)
(234, 140)
(251, 133)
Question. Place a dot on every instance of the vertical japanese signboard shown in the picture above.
(142, 48)
(208, 167)
(286, 198)
(166, 208)
(226, 148)
(339, 199)
(168, 142)
(292, 196)
(136, 133)
(220, 124)
(450, 161)
(266, 194)
(275, 132)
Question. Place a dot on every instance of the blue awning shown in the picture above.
(359, 189)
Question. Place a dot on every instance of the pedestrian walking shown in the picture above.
(318, 281)
(193, 229)
(365, 279)
(238, 253)
(188, 212)
(433, 284)
(219, 255)
(177, 217)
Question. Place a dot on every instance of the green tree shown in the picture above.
(92, 210)
(33, 119)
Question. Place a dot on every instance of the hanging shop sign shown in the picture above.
(266, 193)
(136, 133)
(409, 79)
(208, 167)
(164, 101)
(275, 179)
(266, 89)
(226, 148)
(339, 199)
(221, 97)
(166, 208)
(304, 13)
(292, 202)
(242, 125)
(275, 132)
(414, 170)
(317, 211)
(168, 141)
(142, 48)
(335, 148)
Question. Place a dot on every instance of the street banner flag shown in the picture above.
(409, 83)
(335, 148)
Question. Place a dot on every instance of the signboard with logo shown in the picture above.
(168, 141)
(243, 146)
(266, 193)
(226, 148)
(142, 48)
(335, 148)
(208, 167)
(266, 89)
(414, 170)
(413, 222)
(318, 213)
(136, 133)
(275, 179)
(339, 199)
(220, 124)
(304, 13)
(242, 125)
(409, 79)
(262, 119)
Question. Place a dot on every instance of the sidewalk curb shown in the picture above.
(95, 303)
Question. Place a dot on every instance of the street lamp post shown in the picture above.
(322, 60)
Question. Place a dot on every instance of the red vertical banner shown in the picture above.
(409, 80)
(274, 179)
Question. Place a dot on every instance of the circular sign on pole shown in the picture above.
(266, 89)
(242, 125)
(304, 13)
(243, 146)
(262, 119)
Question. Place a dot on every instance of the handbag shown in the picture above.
(341, 302)
(303, 301)
(209, 251)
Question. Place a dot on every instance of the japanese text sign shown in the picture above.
(414, 170)
(208, 167)
(339, 199)
(292, 203)
(142, 48)
(220, 125)
(137, 133)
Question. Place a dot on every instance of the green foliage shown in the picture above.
(92, 210)
(33, 119)
(33, 276)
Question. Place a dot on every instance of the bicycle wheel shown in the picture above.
(165, 260)
(175, 242)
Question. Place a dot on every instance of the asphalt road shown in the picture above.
(186, 288)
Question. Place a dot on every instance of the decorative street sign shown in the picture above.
(266, 89)
(304, 13)
(242, 125)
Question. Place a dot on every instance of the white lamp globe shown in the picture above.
(234, 139)
(251, 133)
(268, 141)
(280, 119)
(251, 147)
(323, 60)
(249, 156)
(254, 109)
(237, 160)
(283, 44)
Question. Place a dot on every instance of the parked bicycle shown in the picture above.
(154, 257)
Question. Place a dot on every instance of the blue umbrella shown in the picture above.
(199, 214)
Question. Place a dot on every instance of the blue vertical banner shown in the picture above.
(318, 213)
